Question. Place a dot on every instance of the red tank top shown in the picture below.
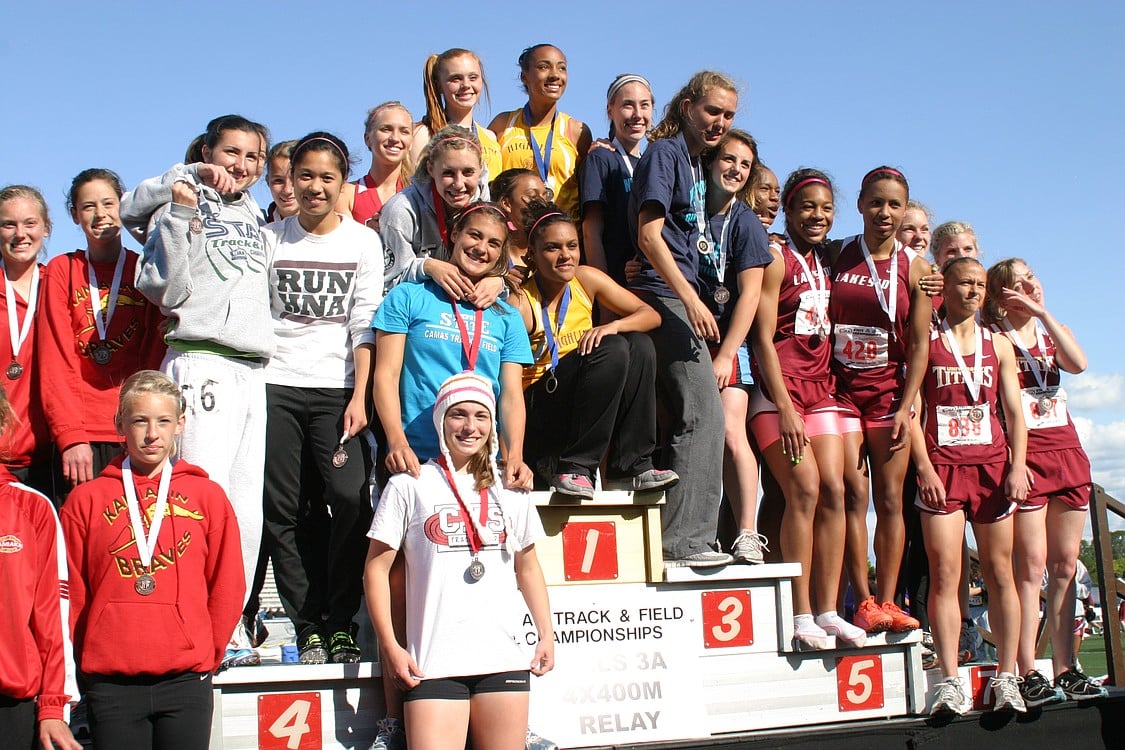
(801, 338)
(858, 318)
(953, 436)
(1045, 438)
(367, 201)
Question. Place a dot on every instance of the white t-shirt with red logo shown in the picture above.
(457, 627)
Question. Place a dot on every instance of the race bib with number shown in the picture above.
(1043, 407)
(956, 426)
(812, 314)
(861, 347)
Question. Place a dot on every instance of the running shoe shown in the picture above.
(342, 648)
(239, 657)
(1038, 691)
(310, 646)
(1078, 687)
(807, 635)
(390, 735)
(871, 617)
(844, 631)
(708, 559)
(535, 742)
(929, 655)
(900, 621)
(574, 485)
(950, 698)
(1006, 693)
(749, 547)
(655, 479)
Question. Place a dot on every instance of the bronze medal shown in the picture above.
(15, 369)
(339, 456)
(195, 225)
(100, 353)
(145, 584)
(976, 414)
(722, 295)
(475, 571)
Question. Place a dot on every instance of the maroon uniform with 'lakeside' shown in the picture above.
(869, 354)
(1058, 463)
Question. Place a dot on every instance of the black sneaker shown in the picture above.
(310, 645)
(1037, 691)
(342, 648)
(1078, 687)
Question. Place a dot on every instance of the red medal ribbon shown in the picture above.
(473, 348)
(439, 212)
(471, 533)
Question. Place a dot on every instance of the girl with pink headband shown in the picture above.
(388, 133)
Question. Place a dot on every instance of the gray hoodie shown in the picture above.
(409, 230)
(212, 285)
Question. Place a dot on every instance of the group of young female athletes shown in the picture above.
(496, 360)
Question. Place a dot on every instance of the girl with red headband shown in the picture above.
(793, 413)
(881, 321)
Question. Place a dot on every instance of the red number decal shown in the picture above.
(589, 550)
(728, 621)
(289, 721)
(859, 682)
(980, 678)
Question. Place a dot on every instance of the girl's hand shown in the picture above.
(355, 415)
(721, 367)
(78, 463)
(518, 476)
(184, 194)
(404, 672)
(544, 660)
(793, 436)
(373, 222)
(215, 177)
(930, 489)
(932, 284)
(54, 733)
(1016, 485)
(900, 430)
(402, 459)
(517, 275)
(449, 278)
(701, 319)
(1019, 301)
(486, 292)
(591, 338)
(632, 269)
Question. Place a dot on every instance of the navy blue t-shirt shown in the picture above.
(664, 175)
(603, 178)
(747, 246)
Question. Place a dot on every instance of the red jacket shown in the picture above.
(83, 394)
(185, 624)
(33, 601)
(26, 441)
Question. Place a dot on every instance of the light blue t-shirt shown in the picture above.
(433, 351)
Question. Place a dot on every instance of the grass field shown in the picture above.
(1092, 656)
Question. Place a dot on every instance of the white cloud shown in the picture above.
(1096, 392)
(1105, 445)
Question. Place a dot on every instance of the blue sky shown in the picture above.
(1007, 115)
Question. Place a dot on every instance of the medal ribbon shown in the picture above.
(95, 296)
(473, 348)
(542, 158)
(1032, 363)
(550, 332)
(819, 304)
(699, 202)
(474, 530)
(439, 212)
(624, 156)
(890, 308)
(718, 257)
(973, 383)
(18, 333)
(146, 545)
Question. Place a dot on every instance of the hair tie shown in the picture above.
(803, 183)
(448, 138)
(540, 220)
(880, 170)
(333, 143)
(623, 80)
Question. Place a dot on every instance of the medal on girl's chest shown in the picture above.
(475, 571)
(145, 584)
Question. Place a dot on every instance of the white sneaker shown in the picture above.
(1006, 693)
(950, 698)
(844, 631)
(749, 547)
(807, 635)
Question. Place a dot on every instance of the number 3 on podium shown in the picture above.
(727, 619)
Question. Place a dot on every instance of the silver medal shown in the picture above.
(475, 571)
(14, 371)
(552, 383)
(145, 584)
(704, 246)
(722, 295)
(1046, 403)
(195, 225)
(976, 414)
(101, 354)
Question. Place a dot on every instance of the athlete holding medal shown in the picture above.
(964, 473)
(156, 582)
(1048, 527)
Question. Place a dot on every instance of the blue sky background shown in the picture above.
(1007, 115)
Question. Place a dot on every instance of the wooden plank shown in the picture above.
(1100, 505)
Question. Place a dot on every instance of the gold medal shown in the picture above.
(976, 415)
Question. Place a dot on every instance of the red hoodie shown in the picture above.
(184, 625)
(82, 395)
(26, 441)
(33, 606)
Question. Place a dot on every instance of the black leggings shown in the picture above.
(150, 713)
(18, 725)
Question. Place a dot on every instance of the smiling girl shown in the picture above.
(154, 556)
(539, 136)
(606, 176)
(97, 330)
(514, 190)
(388, 133)
(325, 284)
(452, 83)
(280, 182)
(596, 383)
